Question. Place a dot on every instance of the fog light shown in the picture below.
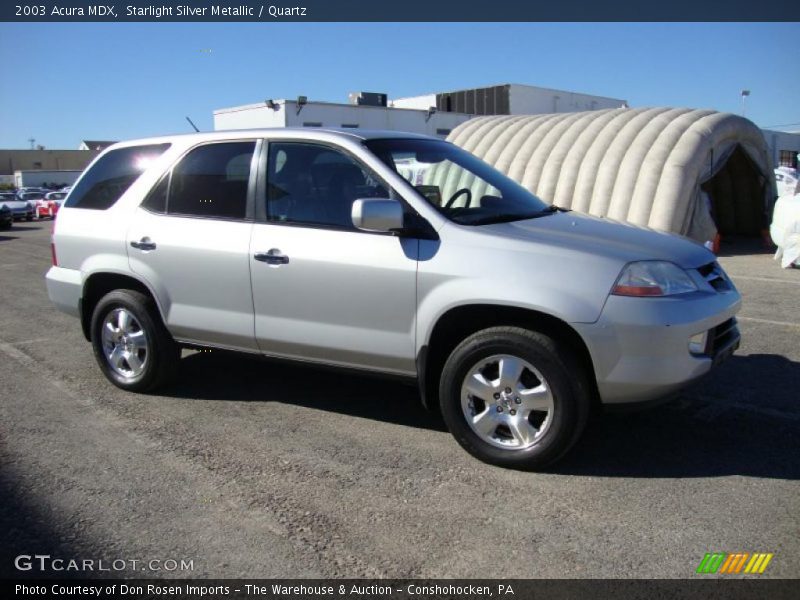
(697, 343)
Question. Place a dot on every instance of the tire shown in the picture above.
(133, 348)
(526, 421)
(29, 218)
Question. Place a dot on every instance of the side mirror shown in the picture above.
(377, 214)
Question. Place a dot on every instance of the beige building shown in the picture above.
(45, 160)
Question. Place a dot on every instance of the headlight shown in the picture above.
(653, 278)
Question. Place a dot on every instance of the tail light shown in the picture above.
(53, 244)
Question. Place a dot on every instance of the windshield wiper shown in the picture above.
(509, 217)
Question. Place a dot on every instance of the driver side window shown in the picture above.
(316, 185)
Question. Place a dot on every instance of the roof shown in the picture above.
(320, 133)
(262, 105)
(513, 85)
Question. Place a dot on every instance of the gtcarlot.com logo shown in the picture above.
(44, 562)
(736, 562)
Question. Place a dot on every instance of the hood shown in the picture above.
(605, 237)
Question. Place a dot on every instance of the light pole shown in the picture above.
(745, 94)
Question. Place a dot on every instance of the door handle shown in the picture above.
(273, 257)
(144, 244)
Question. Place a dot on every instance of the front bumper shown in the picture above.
(640, 346)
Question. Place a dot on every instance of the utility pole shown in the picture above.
(745, 94)
(32, 141)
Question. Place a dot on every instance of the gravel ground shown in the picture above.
(251, 469)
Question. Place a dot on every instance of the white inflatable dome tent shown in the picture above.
(692, 172)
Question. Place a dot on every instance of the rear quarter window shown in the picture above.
(112, 175)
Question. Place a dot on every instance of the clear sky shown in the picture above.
(68, 82)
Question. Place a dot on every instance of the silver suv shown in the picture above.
(390, 253)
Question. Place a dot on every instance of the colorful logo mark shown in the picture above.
(736, 562)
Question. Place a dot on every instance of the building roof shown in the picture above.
(513, 85)
(97, 144)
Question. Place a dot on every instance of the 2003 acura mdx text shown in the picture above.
(391, 253)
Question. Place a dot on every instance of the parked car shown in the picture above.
(30, 190)
(785, 230)
(41, 208)
(51, 203)
(511, 316)
(20, 209)
(6, 218)
(786, 181)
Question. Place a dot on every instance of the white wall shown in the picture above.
(37, 178)
(418, 102)
(323, 114)
(529, 100)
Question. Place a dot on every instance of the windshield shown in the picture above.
(34, 196)
(458, 184)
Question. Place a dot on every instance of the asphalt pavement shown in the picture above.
(246, 468)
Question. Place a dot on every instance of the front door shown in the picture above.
(322, 290)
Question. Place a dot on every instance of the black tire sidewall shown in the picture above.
(541, 352)
(141, 308)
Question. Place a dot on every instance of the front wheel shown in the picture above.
(133, 348)
(514, 398)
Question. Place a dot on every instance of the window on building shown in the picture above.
(315, 184)
(112, 175)
(312, 124)
(350, 125)
(443, 131)
(211, 181)
(37, 165)
(787, 158)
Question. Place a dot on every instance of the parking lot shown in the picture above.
(252, 469)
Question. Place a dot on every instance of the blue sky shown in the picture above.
(67, 82)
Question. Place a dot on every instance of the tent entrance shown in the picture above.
(737, 197)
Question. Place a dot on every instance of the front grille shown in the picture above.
(722, 337)
(715, 277)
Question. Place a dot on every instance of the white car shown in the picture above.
(786, 181)
(512, 317)
(20, 209)
(785, 230)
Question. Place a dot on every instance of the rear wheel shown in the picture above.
(512, 397)
(133, 348)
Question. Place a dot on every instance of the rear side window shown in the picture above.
(112, 175)
(156, 200)
(211, 181)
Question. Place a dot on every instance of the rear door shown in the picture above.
(190, 240)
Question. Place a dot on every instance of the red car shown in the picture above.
(54, 201)
(44, 204)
